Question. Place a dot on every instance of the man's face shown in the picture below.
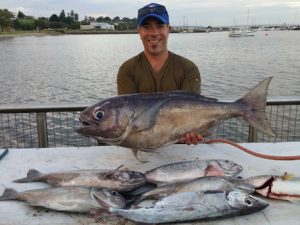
(154, 36)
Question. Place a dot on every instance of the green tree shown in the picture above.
(41, 23)
(21, 15)
(100, 19)
(5, 19)
(54, 18)
(107, 19)
(76, 17)
(62, 15)
(72, 13)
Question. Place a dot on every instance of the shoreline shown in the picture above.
(25, 34)
(70, 32)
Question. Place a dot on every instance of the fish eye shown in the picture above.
(99, 114)
(248, 201)
(113, 193)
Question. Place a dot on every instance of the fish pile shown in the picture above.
(176, 192)
(181, 191)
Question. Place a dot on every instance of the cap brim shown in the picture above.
(162, 19)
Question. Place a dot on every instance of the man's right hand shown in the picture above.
(191, 138)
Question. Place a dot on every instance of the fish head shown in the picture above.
(128, 179)
(108, 198)
(107, 120)
(244, 203)
(229, 167)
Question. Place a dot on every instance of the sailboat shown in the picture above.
(242, 31)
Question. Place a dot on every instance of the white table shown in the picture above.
(18, 161)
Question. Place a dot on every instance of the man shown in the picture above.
(156, 69)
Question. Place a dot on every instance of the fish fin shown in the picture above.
(100, 201)
(108, 174)
(256, 99)
(8, 194)
(135, 153)
(147, 118)
(32, 175)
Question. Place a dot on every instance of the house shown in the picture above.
(97, 25)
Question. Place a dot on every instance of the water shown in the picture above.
(83, 68)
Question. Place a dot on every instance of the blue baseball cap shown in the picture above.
(153, 10)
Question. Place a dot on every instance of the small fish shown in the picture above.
(68, 199)
(286, 187)
(117, 180)
(146, 122)
(210, 183)
(190, 170)
(187, 206)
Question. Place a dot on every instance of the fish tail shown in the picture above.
(8, 194)
(256, 100)
(32, 175)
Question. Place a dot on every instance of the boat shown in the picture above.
(241, 32)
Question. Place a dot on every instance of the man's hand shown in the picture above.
(191, 138)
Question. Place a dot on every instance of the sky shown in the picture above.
(181, 12)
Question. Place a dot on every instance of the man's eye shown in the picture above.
(160, 26)
(147, 27)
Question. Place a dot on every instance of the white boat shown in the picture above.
(241, 32)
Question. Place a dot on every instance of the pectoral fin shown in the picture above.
(147, 118)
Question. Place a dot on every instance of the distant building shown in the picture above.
(102, 26)
(97, 25)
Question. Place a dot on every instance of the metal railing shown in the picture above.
(33, 126)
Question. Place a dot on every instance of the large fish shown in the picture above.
(118, 180)
(187, 206)
(69, 199)
(148, 121)
(210, 183)
(189, 170)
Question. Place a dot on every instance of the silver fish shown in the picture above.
(286, 187)
(69, 199)
(211, 183)
(187, 206)
(190, 170)
(144, 122)
(118, 180)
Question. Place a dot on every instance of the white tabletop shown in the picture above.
(18, 161)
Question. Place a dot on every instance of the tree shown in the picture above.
(41, 23)
(62, 15)
(5, 19)
(21, 15)
(54, 18)
(72, 13)
(76, 16)
(116, 19)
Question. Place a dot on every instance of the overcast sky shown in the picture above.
(182, 12)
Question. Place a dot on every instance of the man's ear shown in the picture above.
(170, 28)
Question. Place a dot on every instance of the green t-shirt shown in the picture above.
(136, 75)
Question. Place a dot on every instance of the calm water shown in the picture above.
(83, 68)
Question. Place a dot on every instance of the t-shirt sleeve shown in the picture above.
(125, 81)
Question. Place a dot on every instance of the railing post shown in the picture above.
(41, 121)
(252, 134)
